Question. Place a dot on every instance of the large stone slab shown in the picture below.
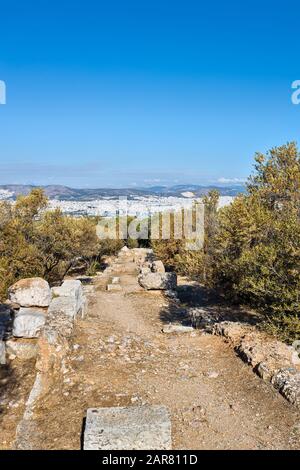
(31, 292)
(113, 287)
(71, 288)
(63, 306)
(158, 281)
(29, 322)
(60, 319)
(128, 428)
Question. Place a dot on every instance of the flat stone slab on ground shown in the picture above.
(113, 287)
(178, 329)
(128, 428)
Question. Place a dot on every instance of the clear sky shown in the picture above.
(136, 92)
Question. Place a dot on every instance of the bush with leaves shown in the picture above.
(37, 242)
(257, 255)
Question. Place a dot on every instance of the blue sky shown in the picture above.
(125, 93)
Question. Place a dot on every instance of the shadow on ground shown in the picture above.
(195, 299)
(8, 383)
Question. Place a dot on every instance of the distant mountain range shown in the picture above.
(72, 194)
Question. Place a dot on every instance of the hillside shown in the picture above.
(68, 194)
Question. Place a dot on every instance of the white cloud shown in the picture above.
(152, 180)
(232, 180)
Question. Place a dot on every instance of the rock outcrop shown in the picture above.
(31, 292)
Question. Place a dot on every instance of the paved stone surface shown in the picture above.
(128, 428)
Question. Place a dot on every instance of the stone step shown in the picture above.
(128, 428)
(113, 287)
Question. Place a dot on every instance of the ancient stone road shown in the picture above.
(120, 357)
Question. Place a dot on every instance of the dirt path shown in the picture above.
(120, 357)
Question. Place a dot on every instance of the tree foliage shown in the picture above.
(257, 249)
(37, 242)
(252, 247)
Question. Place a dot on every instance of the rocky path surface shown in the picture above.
(120, 357)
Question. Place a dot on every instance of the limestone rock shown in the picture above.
(64, 306)
(128, 428)
(287, 381)
(145, 270)
(158, 281)
(113, 287)
(31, 292)
(29, 322)
(22, 349)
(71, 289)
(2, 353)
(254, 349)
(200, 318)
(177, 328)
(60, 319)
(233, 331)
(142, 255)
(264, 371)
(158, 267)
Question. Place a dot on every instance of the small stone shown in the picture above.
(113, 287)
(212, 375)
(2, 353)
